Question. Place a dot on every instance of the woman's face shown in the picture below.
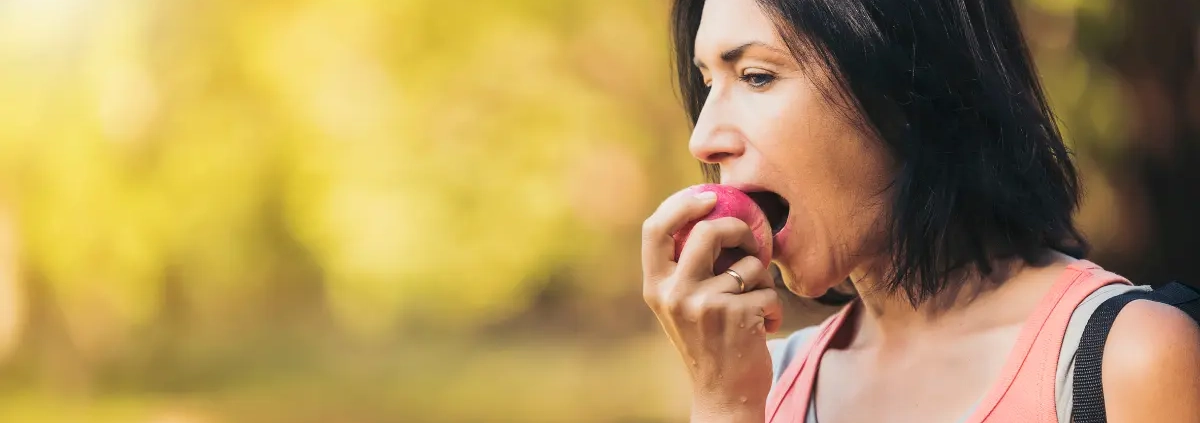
(769, 128)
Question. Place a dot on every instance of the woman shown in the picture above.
(905, 147)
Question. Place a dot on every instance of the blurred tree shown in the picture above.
(1157, 55)
(206, 197)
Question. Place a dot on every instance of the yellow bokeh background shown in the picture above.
(365, 210)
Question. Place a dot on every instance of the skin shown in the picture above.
(768, 127)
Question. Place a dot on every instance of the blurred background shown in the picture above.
(401, 211)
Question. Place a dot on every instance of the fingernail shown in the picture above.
(706, 196)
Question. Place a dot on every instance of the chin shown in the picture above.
(804, 284)
(798, 271)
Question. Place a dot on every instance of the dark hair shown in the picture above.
(949, 87)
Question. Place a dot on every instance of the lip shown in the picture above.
(778, 240)
(749, 187)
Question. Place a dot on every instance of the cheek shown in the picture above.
(834, 176)
(808, 144)
(765, 118)
(823, 153)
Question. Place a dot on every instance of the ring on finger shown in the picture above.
(741, 282)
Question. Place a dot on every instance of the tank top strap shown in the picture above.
(1025, 391)
(788, 401)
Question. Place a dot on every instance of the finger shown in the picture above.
(752, 271)
(706, 241)
(658, 247)
(761, 306)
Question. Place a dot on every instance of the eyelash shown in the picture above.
(757, 80)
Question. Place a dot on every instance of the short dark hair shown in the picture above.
(949, 87)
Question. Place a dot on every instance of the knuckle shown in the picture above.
(704, 229)
(753, 266)
(734, 223)
(651, 297)
(771, 301)
(704, 306)
(773, 296)
(694, 309)
(651, 227)
(673, 303)
(741, 309)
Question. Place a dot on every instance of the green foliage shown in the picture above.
(187, 177)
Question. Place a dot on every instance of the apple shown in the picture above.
(731, 202)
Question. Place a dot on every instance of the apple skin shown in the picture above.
(731, 202)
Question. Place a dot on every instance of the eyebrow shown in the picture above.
(734, 54)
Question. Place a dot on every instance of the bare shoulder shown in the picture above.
(1151, 369)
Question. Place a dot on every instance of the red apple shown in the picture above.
(731, 202)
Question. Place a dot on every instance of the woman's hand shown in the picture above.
(718, 329)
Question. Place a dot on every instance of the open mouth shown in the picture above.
(774, 206)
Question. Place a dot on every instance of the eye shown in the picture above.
(757, 79)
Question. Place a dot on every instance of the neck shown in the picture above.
(891, 318)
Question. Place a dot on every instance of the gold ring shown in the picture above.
(741, 282)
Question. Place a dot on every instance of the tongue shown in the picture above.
(731, 203)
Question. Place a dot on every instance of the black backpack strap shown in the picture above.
(1087, 388)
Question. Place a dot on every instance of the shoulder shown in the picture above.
(1152, 353)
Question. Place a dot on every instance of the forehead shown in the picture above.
(727, 23)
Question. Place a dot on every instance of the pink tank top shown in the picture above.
(1025, 389)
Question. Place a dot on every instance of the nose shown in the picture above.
(716, 138)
